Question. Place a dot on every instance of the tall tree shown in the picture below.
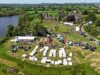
(10, 30)
(91, 17)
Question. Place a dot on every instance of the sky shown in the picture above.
(47, 1)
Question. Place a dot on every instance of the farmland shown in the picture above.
(50, 20)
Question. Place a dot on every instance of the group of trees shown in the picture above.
(93, 29)
(28, 25)
(98, 22)
(91, 17)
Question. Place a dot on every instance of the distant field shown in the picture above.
(53, 13)
(98, 15)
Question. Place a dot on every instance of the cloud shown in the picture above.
(48, 1)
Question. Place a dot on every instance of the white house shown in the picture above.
(77, 28)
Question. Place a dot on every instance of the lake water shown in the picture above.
(5, 22)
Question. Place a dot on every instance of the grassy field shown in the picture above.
(33, 69)
(84, 62)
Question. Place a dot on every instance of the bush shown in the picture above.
(4, 39)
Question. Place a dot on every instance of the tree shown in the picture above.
(91, 17)
(92, 30)
(85, 12)
(56, 28)
(98, 22)
(40, 30)
(10, 30)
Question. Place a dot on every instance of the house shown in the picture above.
(77, 28)
(77, 17)
(72, 17)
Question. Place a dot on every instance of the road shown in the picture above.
(88, 36)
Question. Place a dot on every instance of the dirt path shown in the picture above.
(82, 29)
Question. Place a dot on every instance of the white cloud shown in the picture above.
(47, 1)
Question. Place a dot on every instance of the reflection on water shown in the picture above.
(5, 21)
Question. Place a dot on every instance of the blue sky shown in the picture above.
(47, 1)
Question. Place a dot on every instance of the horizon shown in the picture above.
(46, 1)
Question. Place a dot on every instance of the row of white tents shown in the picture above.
(64, 61)
(53, 53)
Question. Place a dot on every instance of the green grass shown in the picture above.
(3, 70)
(29, 68)
(33, 69)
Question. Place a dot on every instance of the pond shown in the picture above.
(5, 22)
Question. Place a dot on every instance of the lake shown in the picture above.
(5, 22)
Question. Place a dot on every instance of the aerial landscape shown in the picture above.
(49, 37)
